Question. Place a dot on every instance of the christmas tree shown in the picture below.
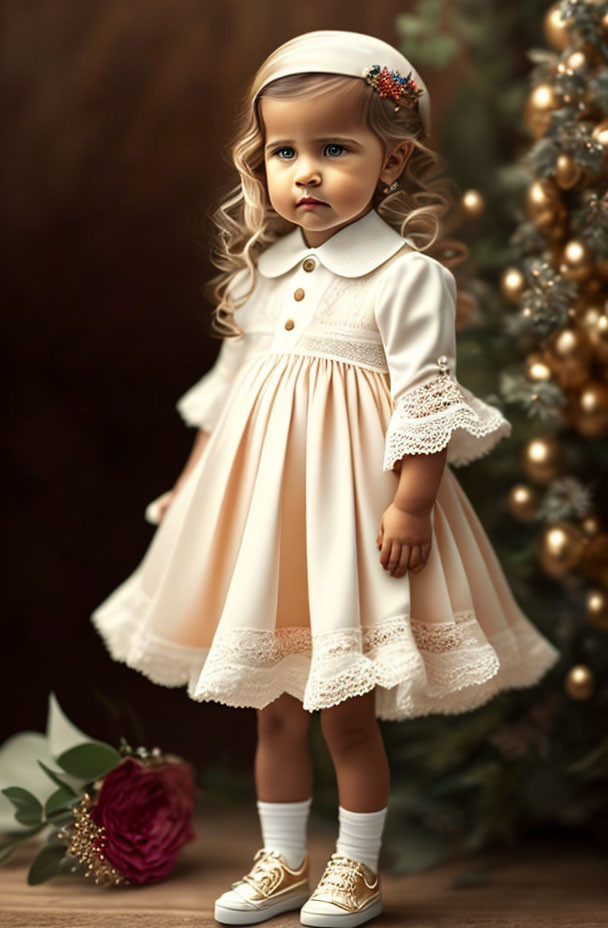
(533, 167)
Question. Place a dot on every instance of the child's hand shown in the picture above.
(155, 510)
(404, 539)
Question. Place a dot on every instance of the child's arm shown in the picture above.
(415, 313)
(157, 508)
(200, 407)
(405, 534)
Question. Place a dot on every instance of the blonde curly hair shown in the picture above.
(246, 223)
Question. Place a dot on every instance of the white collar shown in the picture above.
(354, 250)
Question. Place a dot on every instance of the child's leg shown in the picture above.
(283, 763)
(283, 773)
(355, 743)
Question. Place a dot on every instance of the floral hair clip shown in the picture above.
(393, 84)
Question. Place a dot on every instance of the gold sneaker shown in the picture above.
(347, 894)
(270, 887)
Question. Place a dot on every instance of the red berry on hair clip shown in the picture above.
(393, 84)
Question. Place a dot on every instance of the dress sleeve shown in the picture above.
(201, 405)
(415, 310)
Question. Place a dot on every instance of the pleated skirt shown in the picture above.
(264, 576)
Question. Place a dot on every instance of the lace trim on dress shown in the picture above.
(425, 418)
(416, 668)
(364, 354)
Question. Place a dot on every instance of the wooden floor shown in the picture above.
(539, 886)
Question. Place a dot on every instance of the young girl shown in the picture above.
(317, 552)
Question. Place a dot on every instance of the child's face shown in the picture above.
(317, 148)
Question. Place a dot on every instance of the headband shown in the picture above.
(353, 54)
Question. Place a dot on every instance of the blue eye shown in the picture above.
(333, 148)
(284, 148)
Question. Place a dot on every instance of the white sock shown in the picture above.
(360, 835)
(284, 827)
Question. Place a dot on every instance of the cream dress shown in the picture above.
(264, 576)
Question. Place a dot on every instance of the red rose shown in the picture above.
(147, 815)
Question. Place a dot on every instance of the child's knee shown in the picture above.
(284, 717)
(351, 724)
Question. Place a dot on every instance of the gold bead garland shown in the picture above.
(87, 842)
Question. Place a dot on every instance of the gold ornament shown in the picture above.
(523, 502)
(576, 61)
(591, 525)
(587, 315)
(512, 284)
(587, 411)
(556, 29)
(541, 459)
(594, 564)
(567, 172)
(568, 355)
(542, 101)
(542, 203)
(577, 261)
(473, 204)
(597, 608)
(537, 370)
(600, 133)
(561, 548)
(598, 337)
(580, 682)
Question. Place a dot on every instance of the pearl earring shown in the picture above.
(392, 187)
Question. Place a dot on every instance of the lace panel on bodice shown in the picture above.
(346, 304)
(368, 354)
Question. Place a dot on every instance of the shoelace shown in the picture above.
(266, 872)
(341, 872)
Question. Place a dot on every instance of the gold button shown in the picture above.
(309, 264)
(289, 324)
(299, 294)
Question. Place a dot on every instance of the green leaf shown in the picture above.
(15, 839)
(58, 802)
(24, 834)
(90, 760)
(56, 779)
(7, 850)
(46, 865)
(61, 817)
(29, 808)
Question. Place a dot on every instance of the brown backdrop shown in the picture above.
(115, 114)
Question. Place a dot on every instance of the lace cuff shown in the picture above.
(442, 412)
